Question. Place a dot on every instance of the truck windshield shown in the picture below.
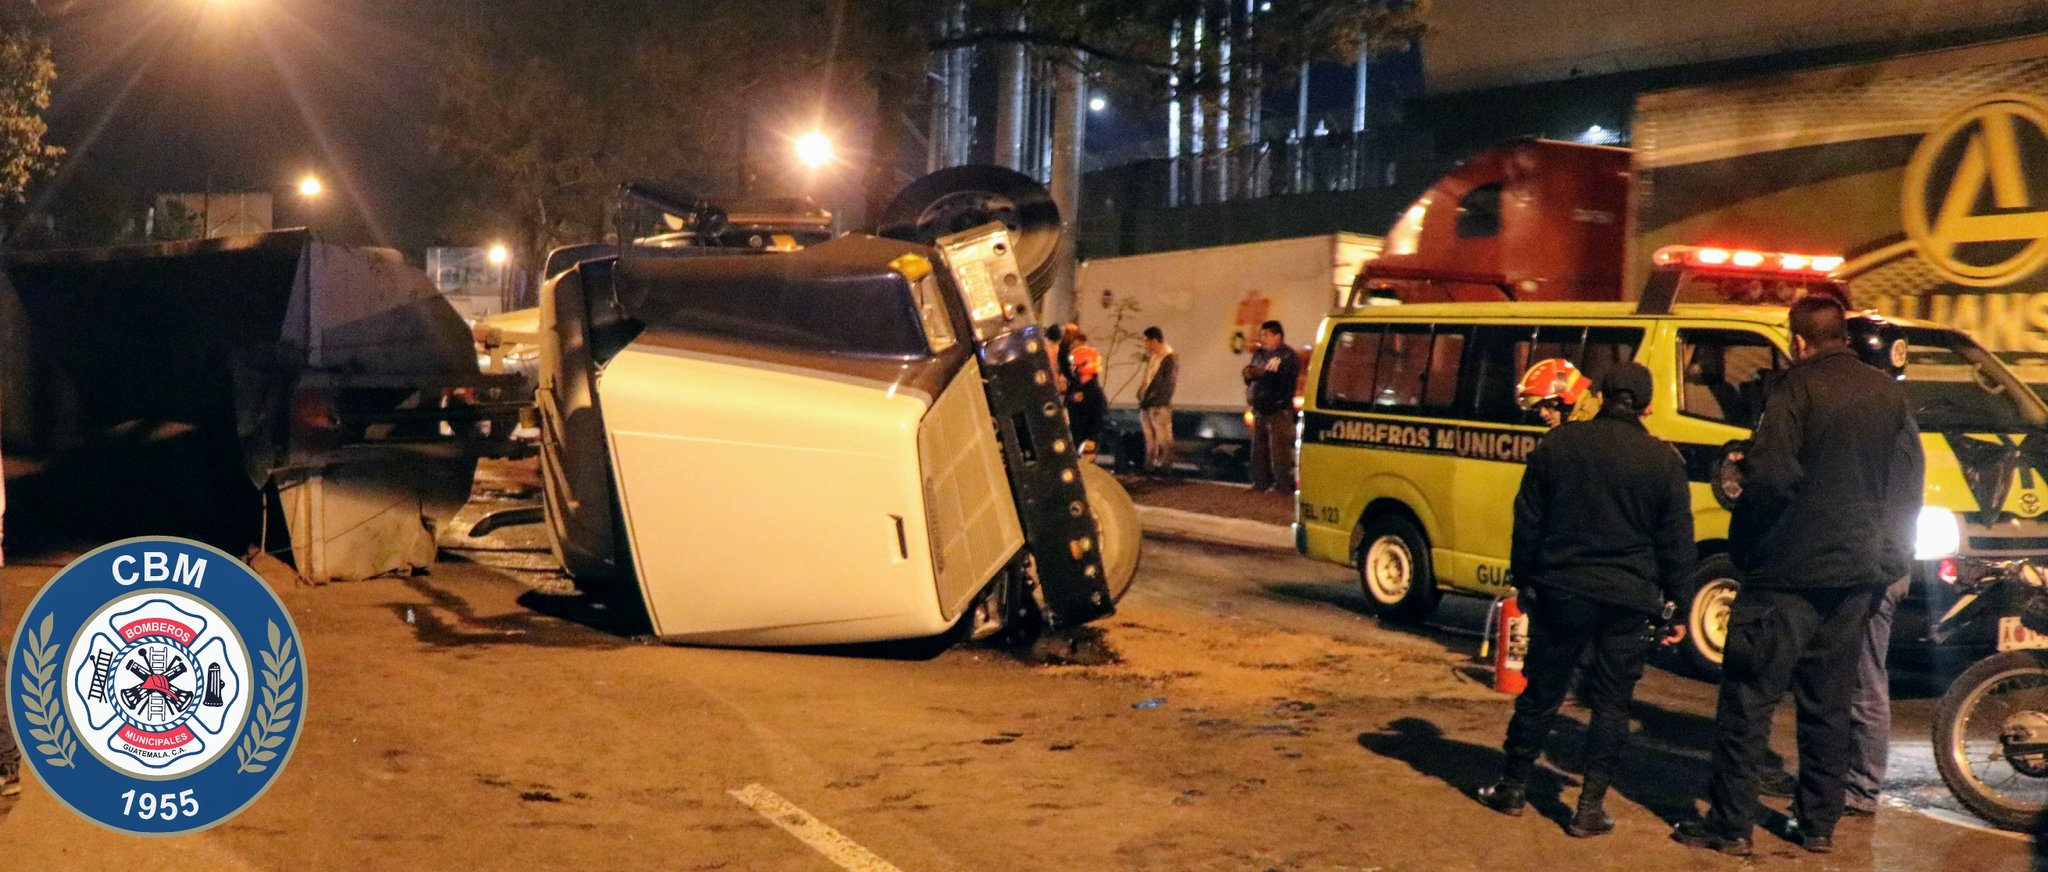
(1955, 385)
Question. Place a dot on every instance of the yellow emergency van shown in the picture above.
(1412, 445)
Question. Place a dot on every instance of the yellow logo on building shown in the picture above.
(1969, 206)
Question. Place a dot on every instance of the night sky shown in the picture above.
(158, 95)
(162, 95)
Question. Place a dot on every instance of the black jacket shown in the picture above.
(1270, 378)
(1832, 480)
(1604, 512)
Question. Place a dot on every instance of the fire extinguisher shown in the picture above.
(1508, 633)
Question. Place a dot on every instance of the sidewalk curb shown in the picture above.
(1181, 524)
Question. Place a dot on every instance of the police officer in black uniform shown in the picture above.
(1831, 491)
(1602, 545)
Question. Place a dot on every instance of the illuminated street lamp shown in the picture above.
(310, 187)
(499, 254)
(814, 150)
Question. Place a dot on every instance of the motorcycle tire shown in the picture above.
(1950, 717)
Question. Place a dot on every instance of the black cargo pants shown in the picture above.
(1561, 628)
(1807, 641)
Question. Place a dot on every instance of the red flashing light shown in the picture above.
(1747, 261)
(1948, 571)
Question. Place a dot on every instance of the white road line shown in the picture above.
(809, 830)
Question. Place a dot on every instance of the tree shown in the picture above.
(26, 74)
(544, 107)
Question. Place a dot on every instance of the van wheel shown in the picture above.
(1706, 625)
(1394, 570)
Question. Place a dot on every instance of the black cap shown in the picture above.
(1627, 377)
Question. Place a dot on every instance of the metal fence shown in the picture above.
(1316, 164)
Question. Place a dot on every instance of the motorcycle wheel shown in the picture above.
(1968, 746)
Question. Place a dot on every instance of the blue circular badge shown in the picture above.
(156, 686)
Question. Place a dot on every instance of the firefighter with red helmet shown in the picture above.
(1552, 388)
(1601, 547)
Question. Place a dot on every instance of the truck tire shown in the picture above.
(1394, 569)
(1714, 586)
(1116, 522)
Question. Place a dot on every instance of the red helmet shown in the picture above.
(1552, 379)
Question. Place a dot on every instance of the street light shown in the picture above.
(499, 254)
(814, 150)
(310, 187)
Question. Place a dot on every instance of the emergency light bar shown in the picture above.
(1742, 261)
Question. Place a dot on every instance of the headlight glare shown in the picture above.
(1939, 534)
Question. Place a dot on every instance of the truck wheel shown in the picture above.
(1706, 625)
(1116, 520)
(1394, 570)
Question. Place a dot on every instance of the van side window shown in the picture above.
(1419, 368)
(1403, 361)
(1604, 347)
(1479, 212)
(1404, 368)
(1499, 357)
(1445, 356)
(1503, 353)
(1722, 374)
(1350, 371)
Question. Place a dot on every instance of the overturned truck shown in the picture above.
(857, 441)
(268, 390)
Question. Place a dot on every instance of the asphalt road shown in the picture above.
(483, 717)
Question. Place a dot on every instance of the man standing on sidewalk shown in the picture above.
(1155, 401)
(1602, 544)
(1831, 490)
(1269, 388)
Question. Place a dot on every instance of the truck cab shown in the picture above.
(1528, 220)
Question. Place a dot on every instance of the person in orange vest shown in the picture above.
(1601, 548)
(1087, 403)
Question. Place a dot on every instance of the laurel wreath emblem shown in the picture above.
(39, 699)
(274, 716)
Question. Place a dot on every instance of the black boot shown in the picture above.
(1591, 820)
(1697, 834)
(1506, 797)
